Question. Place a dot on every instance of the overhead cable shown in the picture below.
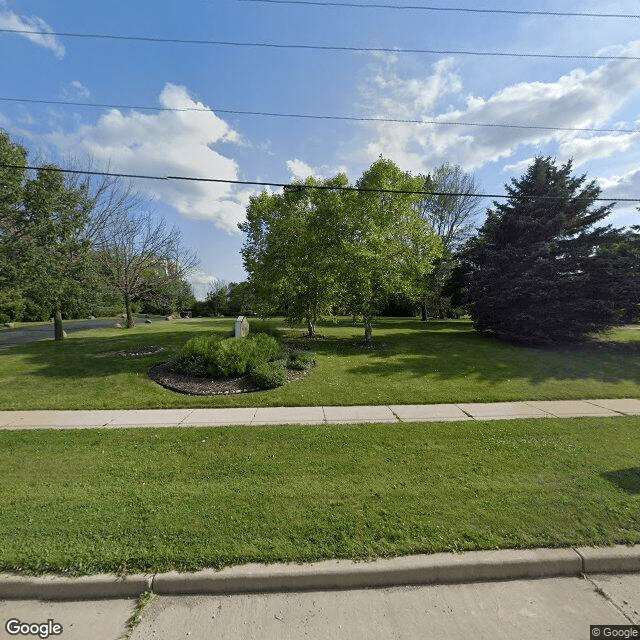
(274, 45)
(316, 116)
(289, 185)
(517, 12)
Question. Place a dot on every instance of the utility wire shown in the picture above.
(289, 185)
(274, 45)
(315, 116)
(450, 9)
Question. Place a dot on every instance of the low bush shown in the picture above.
(226, 358)
(269, 375)
(300, 360)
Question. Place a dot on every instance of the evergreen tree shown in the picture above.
(534, 270)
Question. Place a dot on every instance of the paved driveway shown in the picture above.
(24, 335)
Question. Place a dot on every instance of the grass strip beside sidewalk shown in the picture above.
(88, 501)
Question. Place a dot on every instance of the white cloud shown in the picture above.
(200, 283)
(585, 149)
(75, 90)
(29, 25)
(577, 99)
(170, 143)
(300, 170)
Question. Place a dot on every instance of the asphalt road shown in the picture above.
(24, 335)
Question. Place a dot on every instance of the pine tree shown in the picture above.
(534, 272)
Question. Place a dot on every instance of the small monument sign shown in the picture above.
(242, 327)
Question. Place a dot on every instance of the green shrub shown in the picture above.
(300, 360)
(191, 365)
(226, 358)
(269, 375)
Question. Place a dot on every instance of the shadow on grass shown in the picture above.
(626, 479)
(455, 350)
(92, 355)
(439, 350)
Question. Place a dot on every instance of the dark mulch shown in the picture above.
(192, 386)
(136, 352)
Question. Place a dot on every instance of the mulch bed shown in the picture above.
(192, 386)
(132, 353)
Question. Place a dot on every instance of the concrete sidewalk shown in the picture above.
(315, 415)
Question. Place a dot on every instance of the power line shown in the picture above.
(287, 185)
(316, 116)
(274, 45)
(449, 9)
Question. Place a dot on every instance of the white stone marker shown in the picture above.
(242, 327)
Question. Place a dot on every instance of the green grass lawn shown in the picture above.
(129, 500)
(440, 361)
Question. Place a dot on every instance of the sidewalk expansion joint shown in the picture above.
(188, 415)
(601, 592)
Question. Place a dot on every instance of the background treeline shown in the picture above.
(542, 267)
(75, 245)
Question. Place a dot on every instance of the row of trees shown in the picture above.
(73, 242)
(323, 245)
(540, 268)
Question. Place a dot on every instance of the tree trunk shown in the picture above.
(130, 319)
(311, 328)
(368, 339)
(423, 310)
(57, 321)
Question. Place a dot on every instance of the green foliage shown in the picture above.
(11, 305)
(300, 360)
(387, 247)
(292, 250)
(269, 375)
(534, 270)
(44, 249)
(231, 357)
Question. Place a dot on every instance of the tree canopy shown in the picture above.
(534, 270)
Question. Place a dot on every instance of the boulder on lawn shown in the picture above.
(117, 325)
(168, 317)
(147, 321)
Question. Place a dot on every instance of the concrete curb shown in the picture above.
(439, 568)
(62, 588)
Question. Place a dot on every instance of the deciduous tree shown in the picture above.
(140, 256)
(387, 247)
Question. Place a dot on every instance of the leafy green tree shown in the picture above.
(290, 251)
(386, 247)
(534, 271)
(44, 255)
(241, 298)
(217, 299)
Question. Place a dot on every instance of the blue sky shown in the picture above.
(210, 143)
